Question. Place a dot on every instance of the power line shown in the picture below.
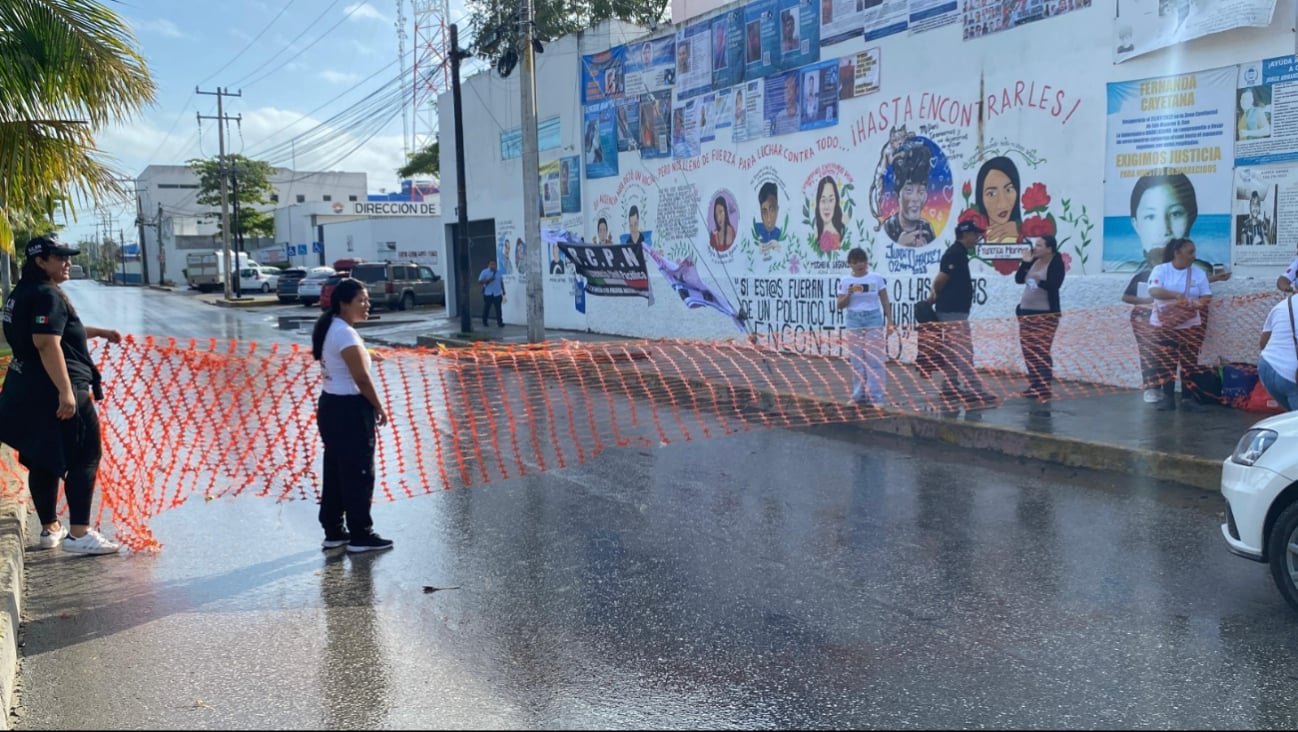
(244, 50)
(289, 45)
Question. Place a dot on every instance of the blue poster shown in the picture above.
(693, 60)
(650, 66)
(601, 75)
(655, 125)
(599, 143)
(627, 123)
(781, 103)
(761, 39)
(728, 49)
(818, 95)
(799, 33)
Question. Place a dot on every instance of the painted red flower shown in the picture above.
(972, 214)
(1035, 198)
(1068, 260)
(967, 190)
(1037, 226)
(1006, 266)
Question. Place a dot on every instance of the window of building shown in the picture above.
(193, 186)
(301, 198)
(547, 138)
(274, 198)
(351, 198)
(328, 197)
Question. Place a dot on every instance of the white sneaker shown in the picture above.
(51, 539)
(92, 543)
(1153, 396)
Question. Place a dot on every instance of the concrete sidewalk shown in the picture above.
(1098, 428)
(13, 540)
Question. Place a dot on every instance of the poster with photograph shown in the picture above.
(858, 74)
(712, 109)
(601, 75)
(749, 124)
(626, 123)
(728, 49)
(649, 66)
(841, 20)
(551, 200)
(1141, 27)
(599, 141)
(685, 129)
(1266, 112)
(799, 33)
(656, 125)
(1265, 216)
(885, 17)
(693, 60)
(570, 183)
(781, 108)
(761, 38)
(925, 15)
(984, 17)
(1166, 179)
(818, 95)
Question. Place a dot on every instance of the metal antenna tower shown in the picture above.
(401, 59)
(432, 67)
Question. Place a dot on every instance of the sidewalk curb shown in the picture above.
(13, 541)
(1195, 472)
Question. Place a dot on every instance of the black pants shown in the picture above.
(81, 453)
(347, 429)
(488, 302)
(1036, 340)
(1179, 347)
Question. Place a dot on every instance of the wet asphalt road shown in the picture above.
(772, 579)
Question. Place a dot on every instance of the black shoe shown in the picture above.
(370, 542)
(1166, 404)
(501, 324)
(335, 539)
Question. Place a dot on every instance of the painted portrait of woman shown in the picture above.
(998, 199)
(829, 216)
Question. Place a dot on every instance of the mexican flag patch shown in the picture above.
(42, 320)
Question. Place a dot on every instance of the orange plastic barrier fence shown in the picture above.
(219, 419)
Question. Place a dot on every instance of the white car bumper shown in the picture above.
(1249, 491)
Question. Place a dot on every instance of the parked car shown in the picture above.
(255, 279)
(327, 289)
(77, 272)
(1260, 484)
(308, 288)
(401, 285)
(286, 287)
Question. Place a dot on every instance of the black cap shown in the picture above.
(44, 246)
(964, 227)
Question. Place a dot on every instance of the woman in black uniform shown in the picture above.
(46, 410)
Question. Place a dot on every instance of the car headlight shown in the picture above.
(1252, 445)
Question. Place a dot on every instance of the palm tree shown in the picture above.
(67, 69)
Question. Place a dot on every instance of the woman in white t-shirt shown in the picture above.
(863, 298)
(1177, 286)
(348, 414)
(1278, 363)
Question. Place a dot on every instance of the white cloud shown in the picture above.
(378, 157)
(361, 48)
(162, 27)
(339, 77)
(357, 11)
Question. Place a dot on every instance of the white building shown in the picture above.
(167, 194)
(1066, 105)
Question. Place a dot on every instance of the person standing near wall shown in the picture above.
(493, 293)
(1180, 291)
(348, 414)
(952, 298)
(863, 298)
(1146, 335)
(1042, 274)
(47, 412)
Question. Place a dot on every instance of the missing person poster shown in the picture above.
(1141, 27)
(799, 33)
(1169, 171)
(841, 20)
(925, 15)
(1264, 216)
(728, 49)
(1266, 112)
(693, 60)
(650, 66)
(858, 74)
(885, 17)
(601, 75)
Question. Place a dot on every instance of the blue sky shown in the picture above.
(297, 63)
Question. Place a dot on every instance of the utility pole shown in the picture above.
(531, 178)
(461, 251)
(121, 252)
(238, 233)
(225, 202)
(139, 220)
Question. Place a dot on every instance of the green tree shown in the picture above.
(423, 162)
(67, 69)
(494, 26)
(255, 189)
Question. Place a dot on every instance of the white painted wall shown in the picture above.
(417, 239)
(1071, 54)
